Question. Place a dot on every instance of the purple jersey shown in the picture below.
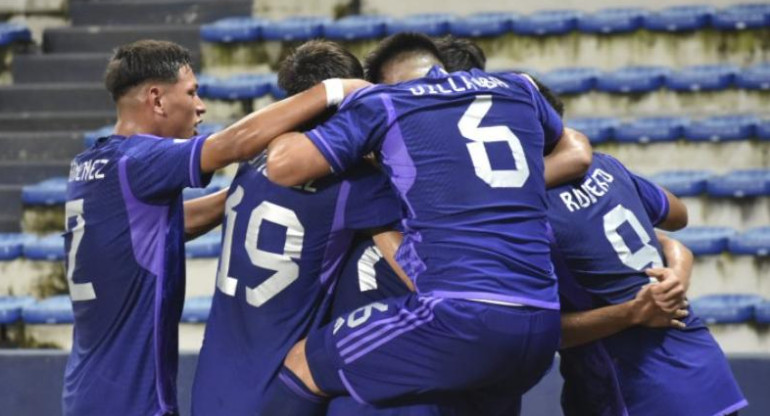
(126, 272)
(465, 152)
(281, 252)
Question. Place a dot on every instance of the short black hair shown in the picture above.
(315, 61)
(550, 96)
(461, 54)
(395, 45)
(144, 60)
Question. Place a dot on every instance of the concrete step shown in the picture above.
(40, 145)
(95, 39)
(55, 97)
(48, 121)
(164, 12)
(25, 172)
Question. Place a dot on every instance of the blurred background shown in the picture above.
(678, 90)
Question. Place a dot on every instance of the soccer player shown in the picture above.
(465, 151)
(281, 254)
(126, 224)
(603, 230)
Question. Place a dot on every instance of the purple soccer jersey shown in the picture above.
(465, 152)
(281, 253)
(603, 229)
(126, 272)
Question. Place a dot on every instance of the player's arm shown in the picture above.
(676, 219)
(202, 214)
(569, 159)
(249, 136)
(674, 279)
(387, 241)
(587, 326)
(293, 159)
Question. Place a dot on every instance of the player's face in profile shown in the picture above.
(182, 105)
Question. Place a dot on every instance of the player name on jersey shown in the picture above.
(453, 85)
(87, 170)
(593, 187)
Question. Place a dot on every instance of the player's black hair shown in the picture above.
(550, 96)
(460, 54)
(395, 45)
(315, 61)
(144, 60)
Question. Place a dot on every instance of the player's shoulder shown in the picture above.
(365, 96)
(607, 162)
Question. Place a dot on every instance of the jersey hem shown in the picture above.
(494, 297)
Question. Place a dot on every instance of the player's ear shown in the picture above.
(155, 97)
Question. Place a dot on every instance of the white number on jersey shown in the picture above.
(367, 277)
(639, 259)
(286, 270)
(78, 291)
(469, 128)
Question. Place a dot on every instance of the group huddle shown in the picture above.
(420, 243)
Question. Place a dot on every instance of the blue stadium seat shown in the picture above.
(702, 78)
(752, 242)
(763, 129)
(651, 129)
(483, 24)
(233, 29)
(90, 137)
(48, 192)
(203, 82)
(571, 80)
(762, 313)
(53, 310)
(209, 128)
(11, 306)
(612, 20)
(14, 32)
(196, 310)
(740, 183)
(742, 16)
(683, 182)
(49, 248)
(726, 308)
(755, 77)
(295, 28)
(598, 129)
(633, 79)
(277, 92)
(12, 245)
(431, 24)
(705, 241)
(547, 22)
(722, 128)
(205, 246)
(239, 87)
(680, 18)
(356, 27)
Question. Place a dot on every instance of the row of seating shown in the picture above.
(14, 32)
(714, 309)
(736, 184)
(547, 22)
(708, 240)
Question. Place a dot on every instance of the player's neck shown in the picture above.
(128, 125)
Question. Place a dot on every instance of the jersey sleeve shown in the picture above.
(553, 126)
(371, 202)
(158, 169)
(356, 129)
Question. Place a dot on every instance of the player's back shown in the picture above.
(126, 272)
(281, 251)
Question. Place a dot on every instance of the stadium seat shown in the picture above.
(298, 28)
(431, 24)
(196, 310)
(633, 79)
(205, 246)
(547, 22)
(14, 32)
(48, 192)
(705, 241)
(598, 129)
(612, 20)
(722, 128)
(233, 29)
(702, 78)
(762, 313)
(53, 310)
(356, 28)
(571, 80)
(209, 128)
(277, 92)
(726, 308)
(11, 307)
(740, 183)
(755, 77)
(753, 242)
(49, 248)
(742, 16)
(679, 18)
(651, 129)
(12, 245)
(683, 183)
(239, 87)
(483, 24)
(763, 129)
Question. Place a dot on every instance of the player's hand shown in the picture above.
(647, 312)
(669, 293)
(349, 85)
